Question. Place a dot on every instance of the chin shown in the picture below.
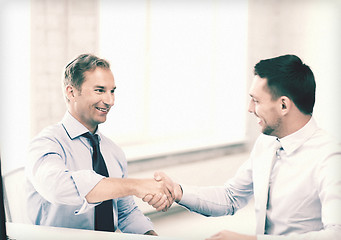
(268, 131)
(100, 120)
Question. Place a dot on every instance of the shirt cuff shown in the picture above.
(188, 195)
(86, 207)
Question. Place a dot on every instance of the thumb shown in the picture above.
(157, 176)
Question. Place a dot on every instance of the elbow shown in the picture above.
(58, 195)
(60, 192)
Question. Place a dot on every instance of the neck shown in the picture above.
(91, 129)
(294, 123)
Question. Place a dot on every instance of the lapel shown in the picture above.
(262, 169)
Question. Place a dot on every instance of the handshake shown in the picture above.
(159, 192)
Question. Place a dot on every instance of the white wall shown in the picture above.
(310, 30)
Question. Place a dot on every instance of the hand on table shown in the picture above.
(228, 235)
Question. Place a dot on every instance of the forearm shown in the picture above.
(112, 188)
(208, 201)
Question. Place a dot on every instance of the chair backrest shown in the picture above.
(15, 196)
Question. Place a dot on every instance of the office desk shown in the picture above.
(20, 231)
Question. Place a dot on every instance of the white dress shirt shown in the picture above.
(60, 175)
(305, 194)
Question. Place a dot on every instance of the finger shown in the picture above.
(157, 176)
(163, 207)
(171, 190)
(167, 207)
(169, 204)
(147, 198)
(155, 199)
(168, 182)
(169, 185)
(161, 201)
(169, 195)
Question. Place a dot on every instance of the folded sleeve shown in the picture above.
(49, 175)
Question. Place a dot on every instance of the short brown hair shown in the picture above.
(74, 71)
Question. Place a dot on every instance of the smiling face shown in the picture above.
(267, 110)
(91, 103)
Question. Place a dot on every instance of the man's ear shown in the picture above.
(69, 91)
(285, 105)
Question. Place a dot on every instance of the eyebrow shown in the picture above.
(254, 97)
(101, 87)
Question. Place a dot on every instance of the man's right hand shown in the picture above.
(159, 190)
(157, 201)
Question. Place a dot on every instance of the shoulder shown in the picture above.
(324, 153)
(51, 140)
(323, 144)
(319, 142)
(51, 133)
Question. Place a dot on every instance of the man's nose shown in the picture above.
(109, 98)
(251, 107)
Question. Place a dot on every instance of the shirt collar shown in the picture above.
(295, 140)
(73, 127)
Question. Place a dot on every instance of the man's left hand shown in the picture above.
(228, 235)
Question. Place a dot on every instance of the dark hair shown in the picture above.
(288, 76)
(74, 71)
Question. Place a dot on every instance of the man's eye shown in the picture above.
(99, 90)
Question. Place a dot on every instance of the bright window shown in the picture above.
(14, 90)
(180, 71)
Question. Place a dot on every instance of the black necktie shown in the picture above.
(104, 220)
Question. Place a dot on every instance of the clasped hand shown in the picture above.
(161, 201)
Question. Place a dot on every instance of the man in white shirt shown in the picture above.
(293, 171)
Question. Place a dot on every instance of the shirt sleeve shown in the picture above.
(220, 200)
(207, 201)
(131, 219)
(47, 172)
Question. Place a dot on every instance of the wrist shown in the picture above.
(178, 193)
(133, 186)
